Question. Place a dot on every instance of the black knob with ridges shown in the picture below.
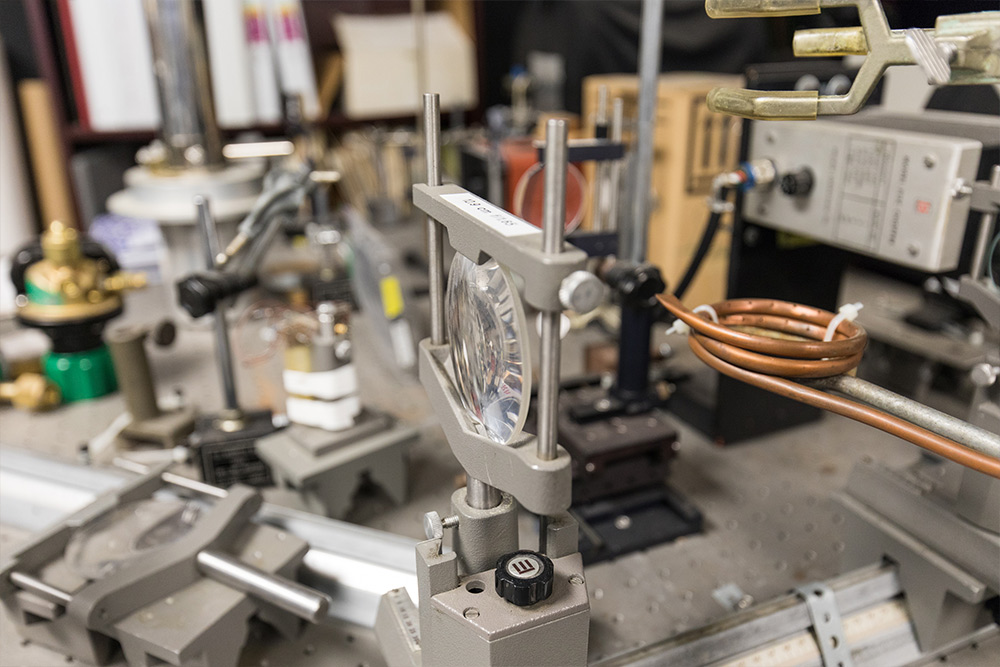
(524, 577)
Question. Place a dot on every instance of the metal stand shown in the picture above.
(462, 621)
(184, 603)
(135, 379)
(326, 468)
(946, 548)
(224, 443)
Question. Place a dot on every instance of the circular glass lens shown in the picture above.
(489, 346)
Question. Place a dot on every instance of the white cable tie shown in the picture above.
(705, 308)
(679, 327)
(848, 312)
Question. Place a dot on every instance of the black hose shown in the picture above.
(707, 237)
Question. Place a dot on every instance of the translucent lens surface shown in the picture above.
(489, 346)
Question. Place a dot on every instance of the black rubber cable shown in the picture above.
(707, 237)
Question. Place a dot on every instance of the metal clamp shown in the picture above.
(960, 49)
(827, 626)
(521, 253)
(542, 487)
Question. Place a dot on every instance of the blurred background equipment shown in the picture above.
(70, 288)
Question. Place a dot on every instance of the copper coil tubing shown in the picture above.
(764, 342)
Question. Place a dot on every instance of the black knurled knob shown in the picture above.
(797, 183)
(524, 577)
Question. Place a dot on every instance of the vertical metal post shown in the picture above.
(435, 233)
(979, 258)
(553, 227)
(189, 130)
(224, 353)
(633, 247)
(601, 194)
(615, 171)
(478, 494)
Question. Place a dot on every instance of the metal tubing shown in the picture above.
(553, 226)
(480, 495)
(48, 592)
(960, 431)
(986, 221)
(435, 232)
(283, 593)
(633, 246)
(223, 351)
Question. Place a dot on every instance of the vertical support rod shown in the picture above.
(986, 221)
(184, 82)
(480, 495)
(223, 351)
(615, 172)
(634, 243)
(601, 195)
(553, 227)
(435, 233)
(135, 378)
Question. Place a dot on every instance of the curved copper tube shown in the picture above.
(745, 357)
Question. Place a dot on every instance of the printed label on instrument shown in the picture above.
(493, 216)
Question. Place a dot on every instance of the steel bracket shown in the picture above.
(542, 487)
(520, 252)
(829, 630)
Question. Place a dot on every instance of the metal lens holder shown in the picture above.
(539, 476)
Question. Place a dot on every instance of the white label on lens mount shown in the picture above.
(495, 217)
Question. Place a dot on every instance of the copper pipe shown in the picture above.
(743, 356)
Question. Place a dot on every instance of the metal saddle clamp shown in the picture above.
(960, 49)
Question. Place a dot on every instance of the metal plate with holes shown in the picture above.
(826, 624)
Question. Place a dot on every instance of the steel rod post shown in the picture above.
(27, 582)
(293, 597)
(600, 214)
(922, 415)
(633, 243)
(480, 495)
(615, 170)
(435, 232)
(223, 350)
(979, 258)
(553, 226)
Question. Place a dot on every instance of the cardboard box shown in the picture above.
(692, 145)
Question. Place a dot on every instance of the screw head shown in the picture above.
(984, 374)
(581, 292)
(433, 527)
